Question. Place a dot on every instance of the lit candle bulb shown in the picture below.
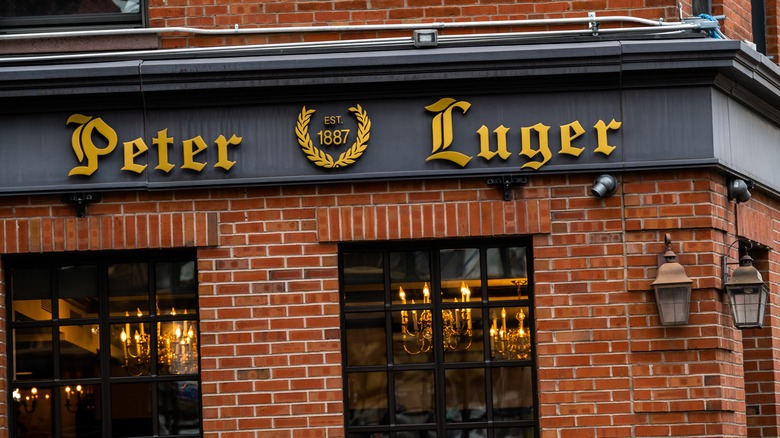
(503, 320)
(402, 295)
(123, 338)
(141, 325)
(127, 325)
(426, 294)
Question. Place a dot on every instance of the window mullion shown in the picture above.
(438, 342)
(105, 354)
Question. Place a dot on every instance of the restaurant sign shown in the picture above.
(310, 142)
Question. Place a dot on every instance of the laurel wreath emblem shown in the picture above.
(323, 159)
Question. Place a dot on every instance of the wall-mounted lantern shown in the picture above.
(748, 294)
(672, 289)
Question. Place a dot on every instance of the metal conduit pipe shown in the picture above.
(385, 43)
(592, 18)
(655, 27)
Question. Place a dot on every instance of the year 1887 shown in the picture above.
(333, 137)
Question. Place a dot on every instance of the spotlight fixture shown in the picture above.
(739, 189)
(604, 186)
(748, 294)
(426, 38)
(672, 289)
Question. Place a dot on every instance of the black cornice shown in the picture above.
(226, 77)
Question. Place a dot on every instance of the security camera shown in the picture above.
(604, 186)
(739, 190)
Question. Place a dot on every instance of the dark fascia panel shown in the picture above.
(729, 65)
(73, 79)
(394, 65)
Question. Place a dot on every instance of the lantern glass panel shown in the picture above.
(748, 304)
(673, 303)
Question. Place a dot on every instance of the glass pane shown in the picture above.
(410, 274)
(78, 291)
(131, 409)
(414, 397)
(31, 294)
(367, 404)
(417, 433)
(366, 342)
(515, 432)
(369, 435)
(128, 289)
(460, 274)
(463, 335)
(364, 282)
(176, 285)
(413, 336)
(33, 412)
(507, 274)
(512, 394)
(177, 408)
(79, 351)
(465, 395)
(81, 411)
(20, 8)
(130, 354)
(510, 337)
(469, 433)
(33, 353)
(177, 347)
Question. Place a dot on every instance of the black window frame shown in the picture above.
(74, 22)
(439, 364)
(104, 320)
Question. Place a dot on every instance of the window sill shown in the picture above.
(81, 44)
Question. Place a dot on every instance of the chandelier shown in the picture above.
(177, 347)
(457, 324)
(135, 348)
(457, 328)
(28, 402)
(83, 399)
(420, 338)
(509, 343)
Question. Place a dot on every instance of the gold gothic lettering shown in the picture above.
(602, 128)
(91, 129)
(162, 141)
(568, 133)
(441, 129)
(133, 149)
(193, 147)
(484, 143)
(222, 151)
(534, 140)
(542, 132)
(84, 147)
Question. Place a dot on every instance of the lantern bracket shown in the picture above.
(80, 200)
(506, 182)
(724, 263)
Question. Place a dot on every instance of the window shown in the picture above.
(103, 345)
(438, 341)
(26, 14)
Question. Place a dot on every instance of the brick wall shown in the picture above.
(270, 346)
(278, 13)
